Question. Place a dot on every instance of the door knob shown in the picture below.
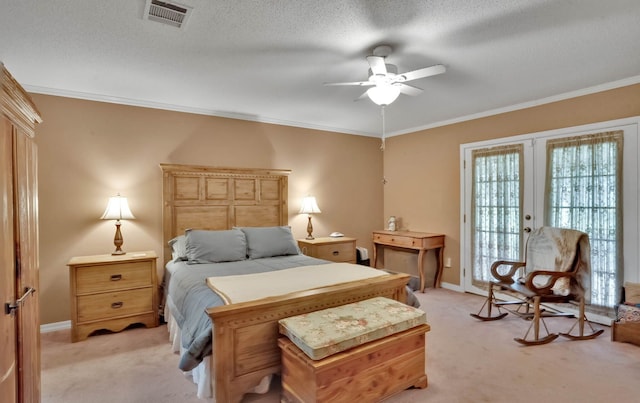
(527, 229)
(527, 217)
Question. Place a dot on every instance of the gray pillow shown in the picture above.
(178, 248)
(270, 241)
(215, 246)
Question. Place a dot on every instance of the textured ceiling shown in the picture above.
(266, 60)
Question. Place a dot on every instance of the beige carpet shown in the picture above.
(467, 361)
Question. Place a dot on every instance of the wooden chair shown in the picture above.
(555, 271)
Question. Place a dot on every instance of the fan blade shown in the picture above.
(360, 83)
(425, 72)
(363, 96)
(377, 65)
(409, 89)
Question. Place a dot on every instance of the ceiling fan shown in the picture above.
(385, 82)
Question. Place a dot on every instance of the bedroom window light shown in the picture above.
(118, 209)
(309, 206)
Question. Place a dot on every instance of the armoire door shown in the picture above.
(27, 269)
(19, 252)
(8, 323)
(19, 320)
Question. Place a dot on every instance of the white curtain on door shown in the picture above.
(496, 211)
(583, 189)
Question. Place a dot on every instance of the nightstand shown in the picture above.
(112, 292)
(342, 249)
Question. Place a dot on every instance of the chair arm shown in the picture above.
(553, 277)
(508, 277)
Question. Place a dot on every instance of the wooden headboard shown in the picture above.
(211, 198)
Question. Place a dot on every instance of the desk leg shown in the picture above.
(439, 268)
(375, 256)
(421, 268)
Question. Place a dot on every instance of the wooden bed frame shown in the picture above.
(245, 335)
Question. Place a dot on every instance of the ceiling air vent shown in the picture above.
(173, 14)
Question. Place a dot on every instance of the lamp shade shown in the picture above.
(383, 94)
(309, 206)
(117, 209)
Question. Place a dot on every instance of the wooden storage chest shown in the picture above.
(367, 373)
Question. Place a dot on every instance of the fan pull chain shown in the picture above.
(382, 144)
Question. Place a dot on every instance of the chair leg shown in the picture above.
(536, 317)
(535, 323)
(488, 304)
(581, 320)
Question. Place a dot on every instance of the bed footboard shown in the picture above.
(245, 335)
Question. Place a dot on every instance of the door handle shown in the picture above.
(527, 229)
(10, 308)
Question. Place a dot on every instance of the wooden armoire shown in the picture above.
(19, 260)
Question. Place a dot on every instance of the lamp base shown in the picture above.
(118, 241)
(309, 229)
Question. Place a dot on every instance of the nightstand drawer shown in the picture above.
(340, 252)
(341, 249)
(113, 304)
(109, 277)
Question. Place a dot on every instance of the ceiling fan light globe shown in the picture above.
(383, 94)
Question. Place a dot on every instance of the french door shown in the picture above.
(571, 178)
(501, 196)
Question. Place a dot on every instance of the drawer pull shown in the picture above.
(116, 277)
(117, 305)
(336, 253)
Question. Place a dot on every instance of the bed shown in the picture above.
(231, 348)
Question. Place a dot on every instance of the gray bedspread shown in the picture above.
(187, 296)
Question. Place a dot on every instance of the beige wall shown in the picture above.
(89, 151)
(423, 168)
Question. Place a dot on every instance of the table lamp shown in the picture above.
(117, 209)
(309, 206)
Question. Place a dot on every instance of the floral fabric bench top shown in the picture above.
(629, 310)
(323, 333)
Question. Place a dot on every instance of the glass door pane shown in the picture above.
(496, 208)
(584, 192)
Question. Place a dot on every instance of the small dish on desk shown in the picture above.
(336, 234)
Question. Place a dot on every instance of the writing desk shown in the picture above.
(412, 241)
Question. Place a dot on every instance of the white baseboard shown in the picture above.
(52, 327)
